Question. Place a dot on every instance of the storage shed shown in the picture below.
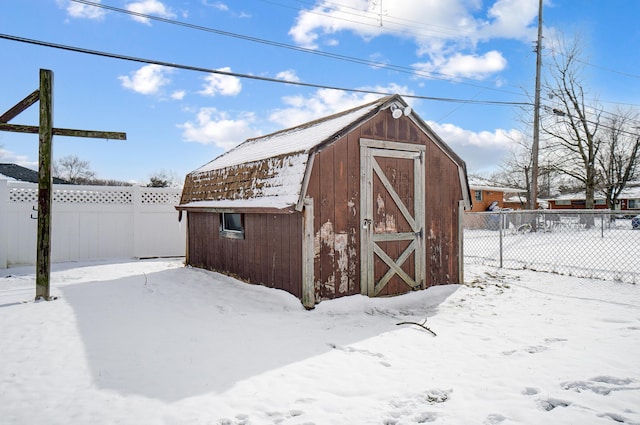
(366, 201)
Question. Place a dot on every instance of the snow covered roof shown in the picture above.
(478, 183)
(269, 171)
(297, 139)
(632, 191)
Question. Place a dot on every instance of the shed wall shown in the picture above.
(270, 253)
(334, 184)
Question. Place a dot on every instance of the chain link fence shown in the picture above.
(599, 244)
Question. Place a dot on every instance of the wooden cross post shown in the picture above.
(46, 131)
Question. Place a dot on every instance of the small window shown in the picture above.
(634, 204)
(563, 202)
(478, 195)
(232, 225)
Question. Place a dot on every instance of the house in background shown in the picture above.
(628, 201)
(23, 174)
(485, 193)
(367, 201)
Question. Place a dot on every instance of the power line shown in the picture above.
(626, 74)
(246, 76)
(338, 8)
(560, 113)
(360, 13)
(445, 30)
(419, 25)
(367, 62)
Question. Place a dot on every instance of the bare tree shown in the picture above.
(618, 160)
(163, 178)
(73, 169)
(574, 125)
(515, 170)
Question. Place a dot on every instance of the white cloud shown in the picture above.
(149, 7)
(225, 85)
(288, 75)
(84, 11)
(482, 151)
(217, 128)
(7, 156)
(447, 33)
(323, 102)
(511, 19)
(472, 66)
(147, 80)
(217, 5)
(178, 95)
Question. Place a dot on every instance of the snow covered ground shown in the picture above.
(152, 342)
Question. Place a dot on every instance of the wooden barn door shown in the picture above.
(393, 219)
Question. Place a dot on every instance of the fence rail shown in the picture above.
(91, 222)
(586, 243)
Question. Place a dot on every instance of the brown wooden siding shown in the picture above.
(580, 204)
(270, 253)
(443, 192)
(334, 185)
(488, 196)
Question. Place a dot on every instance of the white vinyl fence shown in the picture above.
(91, 222)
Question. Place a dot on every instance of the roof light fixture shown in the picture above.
(397, 111)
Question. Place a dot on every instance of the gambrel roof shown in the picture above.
(269, 172)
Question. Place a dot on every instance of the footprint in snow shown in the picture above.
(551, 340)
(602, 385)
(551, 403)
(494, 418)
(279, 417)
(240, 419)
(348, 349)
(534, 349)
(615, 417)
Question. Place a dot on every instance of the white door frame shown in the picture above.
(369, 248)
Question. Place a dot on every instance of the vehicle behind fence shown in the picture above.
(598, 244)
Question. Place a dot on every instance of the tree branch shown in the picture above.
(422, 325)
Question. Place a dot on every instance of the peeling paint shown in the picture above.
(326, 236)
(380, 203)
(341, 244)
(340, 252)
(352, 207)
(387, 225)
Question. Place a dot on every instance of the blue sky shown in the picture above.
(176, 120)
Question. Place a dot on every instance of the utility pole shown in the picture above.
(46, 131)
(533, 196)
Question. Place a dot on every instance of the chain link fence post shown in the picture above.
(558, 241)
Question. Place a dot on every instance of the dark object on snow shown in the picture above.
(635, 222)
